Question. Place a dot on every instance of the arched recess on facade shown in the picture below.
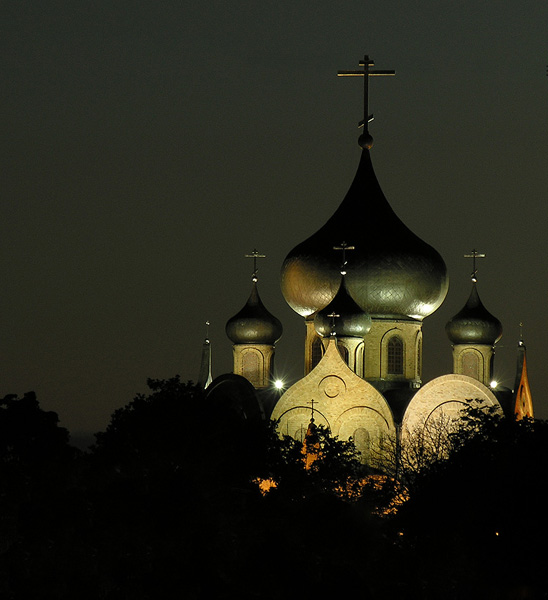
(418, 351)
(471, 363)
(252, 364)
(369, 429)
(359, 359)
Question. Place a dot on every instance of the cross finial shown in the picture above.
(333, 315)
(344, 247)
(473, 255)
(311, 402)
(365, 140)
(255, 255)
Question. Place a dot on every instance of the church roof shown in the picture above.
(474, 324)
(254, 324)
(392, 272)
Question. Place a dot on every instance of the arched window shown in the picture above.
(317, 351)
(395, 355)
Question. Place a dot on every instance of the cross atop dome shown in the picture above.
(473, 255)
(255, 255)
(344, 247)
(365, 140)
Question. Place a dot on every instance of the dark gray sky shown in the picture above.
(147, 146)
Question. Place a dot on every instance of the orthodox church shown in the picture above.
(363, 284)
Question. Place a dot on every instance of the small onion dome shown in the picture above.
(254, 324)
(351, 320)
(394, 273)
(474, 324)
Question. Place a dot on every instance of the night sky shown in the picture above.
(148, 146)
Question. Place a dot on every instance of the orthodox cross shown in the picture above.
(344, 247)
(366, 73)
(311, 402)
(473, 256)
(520, 334)
(255, 255)
(333, 316)
(207, 324)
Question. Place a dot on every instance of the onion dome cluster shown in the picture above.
(394, 273)
(254, 324)
(474, 324)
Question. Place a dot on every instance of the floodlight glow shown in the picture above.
(493, 384)
(278, 384)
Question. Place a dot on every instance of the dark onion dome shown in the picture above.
(394, 274)
(351, 320)
(474, 324)
(254, 324)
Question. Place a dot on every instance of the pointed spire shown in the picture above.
(205, 378)
(523, 401)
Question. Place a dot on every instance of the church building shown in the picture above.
(363, 284)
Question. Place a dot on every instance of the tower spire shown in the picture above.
(205, 378)
(523, 401)
(365, 140)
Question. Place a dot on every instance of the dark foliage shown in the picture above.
(166, 505)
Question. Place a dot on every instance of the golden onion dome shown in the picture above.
(394, 274)
(254, 324)
(474, 324)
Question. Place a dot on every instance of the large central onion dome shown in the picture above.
(394, 274)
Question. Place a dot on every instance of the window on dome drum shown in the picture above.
(317, 351)
(395, 355)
